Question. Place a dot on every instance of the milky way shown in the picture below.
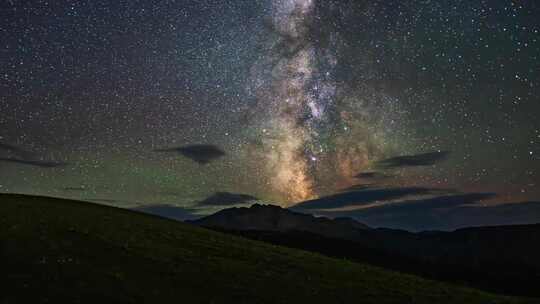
(297, 98)
(316, 133)
(289, 98)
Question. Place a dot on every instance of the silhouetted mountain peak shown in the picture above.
(274, 218)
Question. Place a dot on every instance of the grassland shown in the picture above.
(60, 250)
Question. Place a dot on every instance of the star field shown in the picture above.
(301, 95)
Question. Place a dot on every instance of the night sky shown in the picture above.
(289, 100)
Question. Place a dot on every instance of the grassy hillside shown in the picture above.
(499, 259)
(52, 249)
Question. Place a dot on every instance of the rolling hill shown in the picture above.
(502, 259)
(55, 250)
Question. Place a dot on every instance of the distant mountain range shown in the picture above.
(275, 218)
(500, 258)
(63, 251)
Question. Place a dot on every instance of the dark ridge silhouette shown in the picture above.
(227, 198)
(424, 159)
(362, 196)
(167, 211)
(64, 251)
(275, 218)
(35, 163)
(500, 259)
(201, 154)
(476, 266)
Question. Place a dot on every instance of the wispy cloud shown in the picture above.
(446, 212)
(202, 154)
(417, 160)
(362, 196)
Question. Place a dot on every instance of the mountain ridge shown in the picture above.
(495, 257)
(274, 218)
(57, 250)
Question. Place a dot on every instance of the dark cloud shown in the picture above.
(35, 163)
(438, 202)
(372, 175)
(202, 154)
(363, 196)
(21, 156)
(17, 151)
(357, 188)
(424, 159)
(168, 211)
(445, 213)
(226, 198)
(287, 46)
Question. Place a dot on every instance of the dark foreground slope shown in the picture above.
(503, 259)
(52, 249)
